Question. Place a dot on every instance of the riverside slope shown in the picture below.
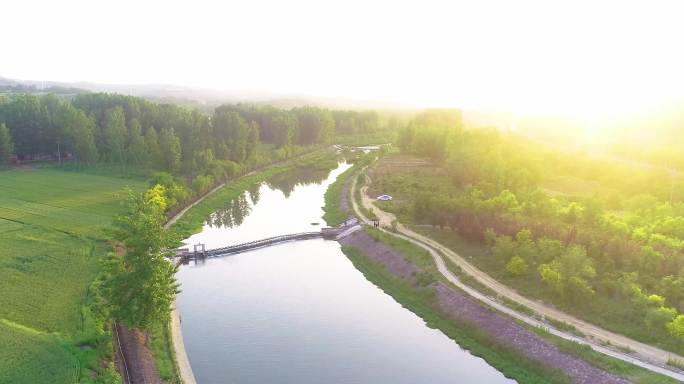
(648, 357)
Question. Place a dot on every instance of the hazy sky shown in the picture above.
(592, 58)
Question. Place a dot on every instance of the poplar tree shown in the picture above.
(142, 287)
(6, 144)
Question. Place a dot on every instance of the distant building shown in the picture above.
(384, 198)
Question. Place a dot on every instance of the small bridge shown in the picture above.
(200, 252)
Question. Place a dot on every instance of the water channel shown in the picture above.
(300, 312)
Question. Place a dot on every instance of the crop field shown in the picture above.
(52, 230)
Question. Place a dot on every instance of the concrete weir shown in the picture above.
(200, 252)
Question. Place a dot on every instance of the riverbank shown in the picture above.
(182, 361)
(579, 368)
(637, 372)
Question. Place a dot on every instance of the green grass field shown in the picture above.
(53, 227)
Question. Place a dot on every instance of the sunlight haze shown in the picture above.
(589, 60)
(371, 192)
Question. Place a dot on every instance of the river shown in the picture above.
(300, 312)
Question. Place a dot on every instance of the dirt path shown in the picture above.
(645, 356)
(137, 363)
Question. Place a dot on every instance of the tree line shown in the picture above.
(116, 129)
(618, 246)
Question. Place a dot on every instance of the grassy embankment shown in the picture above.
(401, 186)
(477, 251)
(53, 231)
(611, 311)
(421, 300)
(333, 214)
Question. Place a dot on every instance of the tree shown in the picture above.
(152, 146)
(567, 275)
(284, 126)
(552, 277)
(79, 133)
(252, 139)
(136, 152)
(114, 135)
(142, 287)
(516, 266)
(316, 125)
(651, 260)
(232, 135)
(657, 318)
(6, 144)
(676, 327)
(170, 149)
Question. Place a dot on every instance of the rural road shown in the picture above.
(645, 356)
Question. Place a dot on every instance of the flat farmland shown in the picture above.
(53, 227)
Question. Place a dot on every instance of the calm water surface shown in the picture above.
(300, 312)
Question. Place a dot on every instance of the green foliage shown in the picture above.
(657, 318)
(430, 132)
(6, 144)
(676, 327)
(489, 185)
(164, 354)
(129, 130)
(142, 286)
(517, 266)
(333, 215)
(114, 136)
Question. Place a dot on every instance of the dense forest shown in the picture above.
(600, 238)
(195, 150)
(129, 130)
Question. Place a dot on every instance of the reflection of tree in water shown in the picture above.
(234, 213)
(254, 193)
(286, 182)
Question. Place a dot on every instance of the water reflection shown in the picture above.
(286, 182)
(234, 212)
(254, 193)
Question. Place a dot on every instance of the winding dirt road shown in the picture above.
(645, 356)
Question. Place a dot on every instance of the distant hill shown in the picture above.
(9, 86)
(209, 98)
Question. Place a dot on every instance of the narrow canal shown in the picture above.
(300, 312)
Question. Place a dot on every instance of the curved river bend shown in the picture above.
(300, 312)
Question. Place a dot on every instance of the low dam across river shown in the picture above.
(200, 252)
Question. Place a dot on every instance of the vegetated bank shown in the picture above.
(601, 240)
(502, 335)
(406, 273)
(336, 208)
